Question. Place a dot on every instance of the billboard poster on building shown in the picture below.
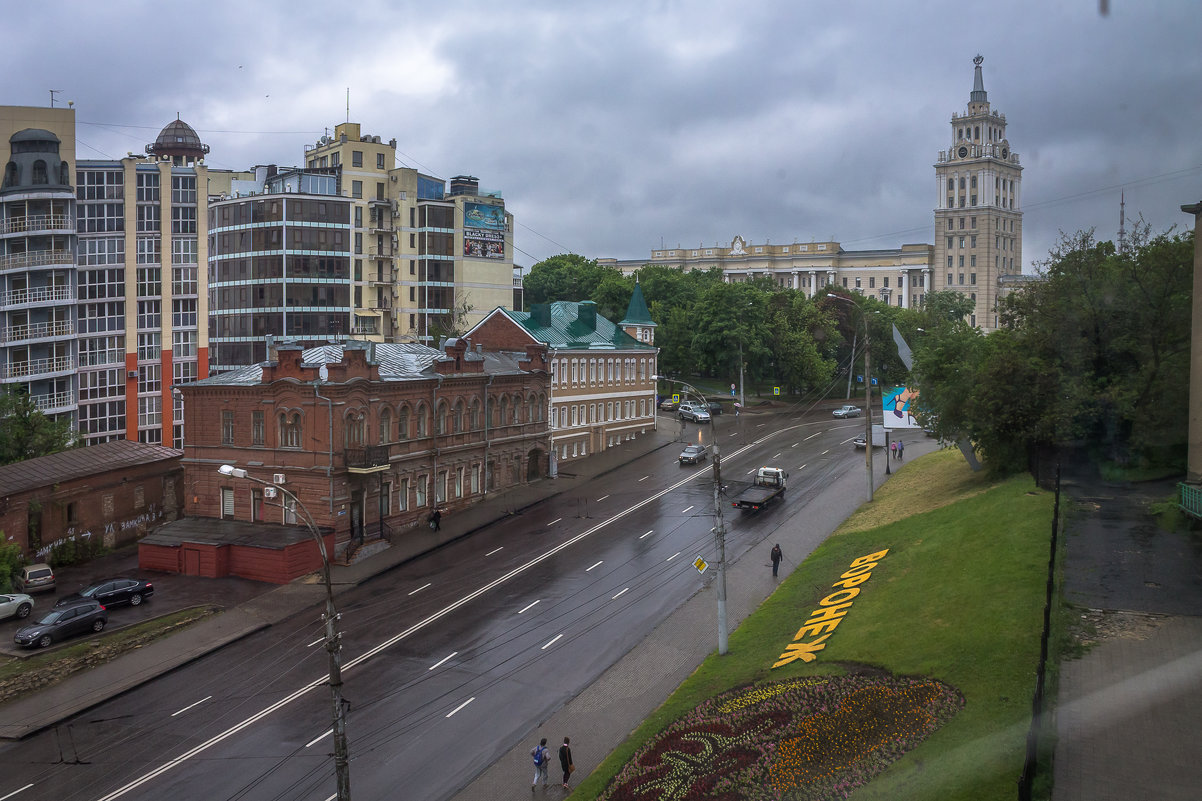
(483, 231)
(899, 405)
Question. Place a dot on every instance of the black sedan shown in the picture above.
(111, 592)
(79, 618)
(692, 454)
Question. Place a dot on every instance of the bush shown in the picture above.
(10, 562)
(73, 551)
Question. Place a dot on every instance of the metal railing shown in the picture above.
(40, 294)
(36, 258)
(370, 456)
(37, 222)
(36, 367)
(55, 400)
(1191, 500)
(22, 333)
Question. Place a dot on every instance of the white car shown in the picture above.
(15, 605)
(847, 410)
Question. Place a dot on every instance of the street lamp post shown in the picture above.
(333, 638)
(719, 522)
(867, 394)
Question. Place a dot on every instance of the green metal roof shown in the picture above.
(636, 313)
(566, 329)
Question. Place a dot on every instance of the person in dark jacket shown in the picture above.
(436, 519)
(777, 555)
(565, 762)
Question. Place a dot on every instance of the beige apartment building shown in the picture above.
(428, 259)
(978, 233)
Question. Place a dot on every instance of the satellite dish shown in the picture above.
(323, 373)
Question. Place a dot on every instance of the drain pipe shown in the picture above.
(329, 440)
(487, 441)
(434, 449)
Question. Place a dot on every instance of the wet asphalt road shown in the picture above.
(460, 651)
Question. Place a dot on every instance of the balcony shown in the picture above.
(35, 258)
(31, 331)
(54, 402)
(36, 295)
(37, 368)
(372, 459)
(39, 223)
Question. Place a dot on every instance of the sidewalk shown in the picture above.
(604, 714)
(260, 609)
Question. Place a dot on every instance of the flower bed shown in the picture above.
(815, 738)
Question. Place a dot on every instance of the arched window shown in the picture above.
(353, 429)
(385, 425)
(290, 430)
(421, 418)
(504, 410)
(39, 172)
(541, 407)
(402, 424)
(440, 420)
(474, 414)
(457, 417)
(517, 410)
(10, 174)
(492, 412)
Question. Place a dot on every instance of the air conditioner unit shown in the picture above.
(269, 492)
(132, 374)
(278, 478)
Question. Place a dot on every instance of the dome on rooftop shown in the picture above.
(178, 141)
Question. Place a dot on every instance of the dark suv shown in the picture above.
(58, 624)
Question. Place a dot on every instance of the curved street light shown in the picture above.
(867, 392)
(719, 522)
(342, 769)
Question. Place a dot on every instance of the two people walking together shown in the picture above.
(542, 759)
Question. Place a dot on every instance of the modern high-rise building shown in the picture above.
(978, 219)
(428, 259)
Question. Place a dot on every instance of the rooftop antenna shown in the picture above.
(54, 92)
(1123, 222)
(348, 104)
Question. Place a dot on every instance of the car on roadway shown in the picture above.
(692, 454)
(111, 592)
(667, 404)
(58, 624)
(695, 412)
(16, 605)
(714, 408)
(847, 410)
(38, 577)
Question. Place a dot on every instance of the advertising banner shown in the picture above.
(899, 404)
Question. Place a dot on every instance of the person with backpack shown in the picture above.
(542, 758)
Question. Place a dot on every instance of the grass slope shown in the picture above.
(958, 598)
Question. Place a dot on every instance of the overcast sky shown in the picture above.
(612, 127)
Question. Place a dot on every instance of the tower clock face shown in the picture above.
(963, 152)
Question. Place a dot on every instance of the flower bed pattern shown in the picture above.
(800, 739)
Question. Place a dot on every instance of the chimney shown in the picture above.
(540, 314)
(586, 313)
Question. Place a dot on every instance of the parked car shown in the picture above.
(58, 624)
(111, 592)
(692, 454)
(667, 404)
(713, 407)
(35, 578)
(16, 605)
(695, 412)
(847, 410)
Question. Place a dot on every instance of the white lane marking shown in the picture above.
(752, 470)
(795, 444)
(323, 680)
(14, 792)
(603, 497)
(811, 436)
(686, 510)
(189, 706)
(647, 534)
(849, 439)
(461, 706)
(331, 798)
(759, 425)
(644, 478)
(495, 550)
(777, 456)
(422, 587)
(554, 639)
(619, 595)
(316, 642)
(527, 607)
(587, 569)
(319, 738)
(556, 520)
(673, 556)
(825, 452)
(803, 467)
(440, 661)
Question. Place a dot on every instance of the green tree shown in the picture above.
(566, 277)
(27, 433)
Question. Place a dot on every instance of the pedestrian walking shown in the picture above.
(777, 555)
(893, 449)
(436, 519)
(901, 448)
(542, 759)
(565, 762)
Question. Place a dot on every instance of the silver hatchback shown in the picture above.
(35, 578)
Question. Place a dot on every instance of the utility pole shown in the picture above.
(720, 537)
(868, 406)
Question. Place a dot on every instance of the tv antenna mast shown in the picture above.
(54, 92)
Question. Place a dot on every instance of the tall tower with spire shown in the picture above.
(978, 212)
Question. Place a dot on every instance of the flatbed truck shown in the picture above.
(769, 484)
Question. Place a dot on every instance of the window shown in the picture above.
(872, 283)
(356, 158)
(379, 161)
(972, 260)
(257, 427)
(949, 223)
(290, 430)
(403, 496)
(421, 488)
(227, 503)
(949, 275)
(961, 264)
(972, 278)
(227, 428)
(961, 223)
(974, 222)
(886, 279)
(356, 189)
(961, 279)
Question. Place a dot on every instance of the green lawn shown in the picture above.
(958, 598)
